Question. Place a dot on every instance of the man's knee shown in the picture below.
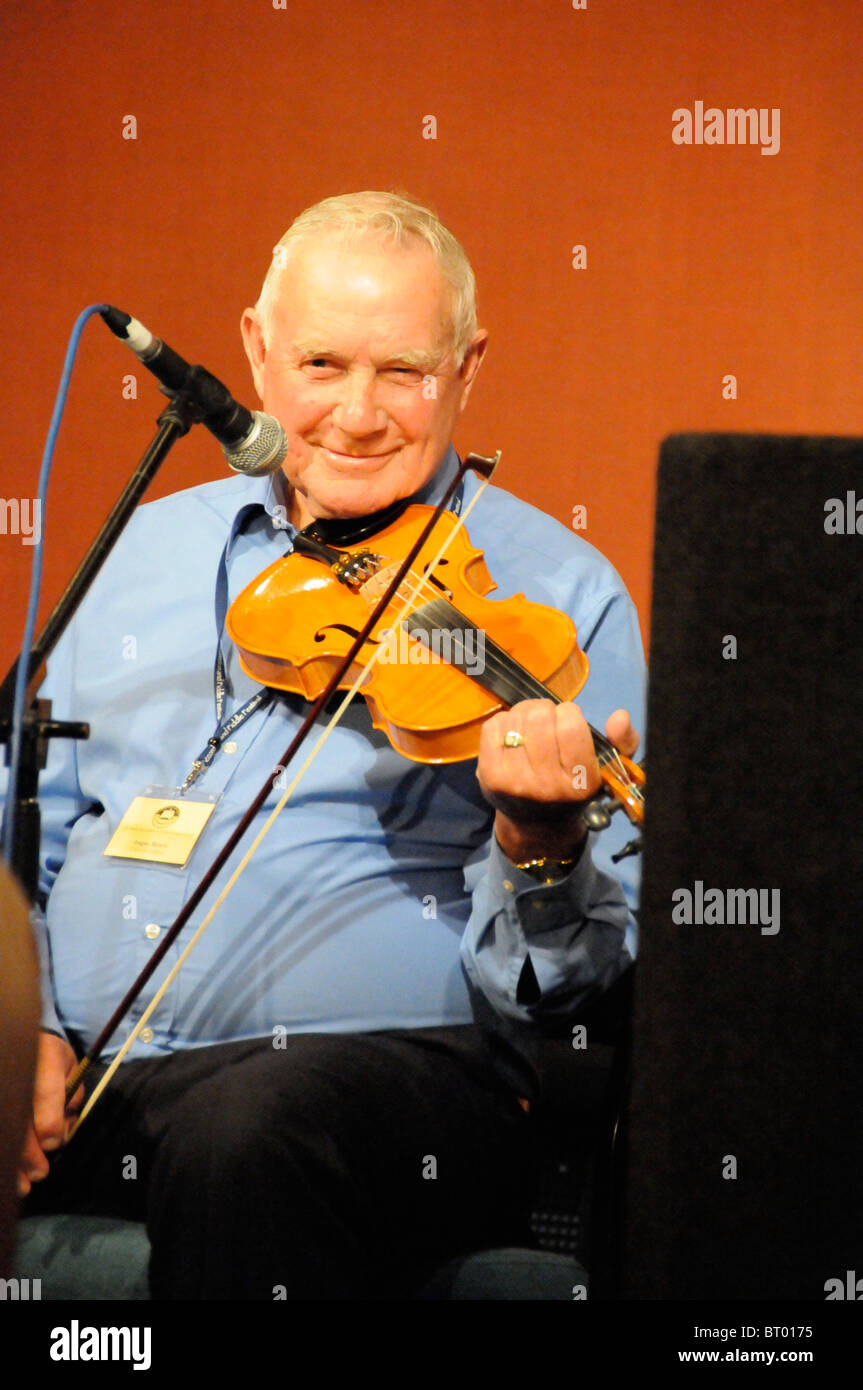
(266, 1107)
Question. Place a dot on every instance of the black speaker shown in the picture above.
(745, 1144)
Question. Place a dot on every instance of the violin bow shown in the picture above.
(485, 467)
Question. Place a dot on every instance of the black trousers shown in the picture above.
(337, 1166)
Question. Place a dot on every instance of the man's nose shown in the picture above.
(357, 410)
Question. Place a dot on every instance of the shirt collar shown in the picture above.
(259, 496)
(267, 494)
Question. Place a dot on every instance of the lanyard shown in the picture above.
(222, 686)
(224, 727)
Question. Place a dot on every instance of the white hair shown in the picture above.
(395, 219)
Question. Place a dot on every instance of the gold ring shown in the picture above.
(513, 739)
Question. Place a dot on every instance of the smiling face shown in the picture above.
(361, 373)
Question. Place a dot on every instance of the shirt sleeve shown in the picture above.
(542, 950)
(49, 1020)
(60, 803)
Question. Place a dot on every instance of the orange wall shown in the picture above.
(553, 128)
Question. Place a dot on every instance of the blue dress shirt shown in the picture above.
(380, 884)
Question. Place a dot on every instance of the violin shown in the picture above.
(444, 657)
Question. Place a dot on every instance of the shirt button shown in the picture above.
(152, 930)
(146, 1035)
(230, 746)
(508, 886)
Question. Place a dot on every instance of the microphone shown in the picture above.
(252, 442)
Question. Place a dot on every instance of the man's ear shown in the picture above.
(471, 363)
(253, 342)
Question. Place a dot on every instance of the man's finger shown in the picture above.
(621, 733)
(49, 1092)
(576, 750)
(77, 1100)
(33, 1165)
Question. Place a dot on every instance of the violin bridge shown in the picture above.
(375, 586)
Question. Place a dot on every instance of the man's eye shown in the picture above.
(406, 376)
(319, 366)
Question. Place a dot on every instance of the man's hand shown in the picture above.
(47, 1130)
(538, 789)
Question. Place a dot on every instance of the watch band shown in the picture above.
(546, 870)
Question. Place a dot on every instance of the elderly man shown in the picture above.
(326, 1102)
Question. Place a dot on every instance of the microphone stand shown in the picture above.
(39, 728)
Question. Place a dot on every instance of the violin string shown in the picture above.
(500, 661)
(526, 684)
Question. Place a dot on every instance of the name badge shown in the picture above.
(162, 826)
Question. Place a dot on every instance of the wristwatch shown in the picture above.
(547, 870)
